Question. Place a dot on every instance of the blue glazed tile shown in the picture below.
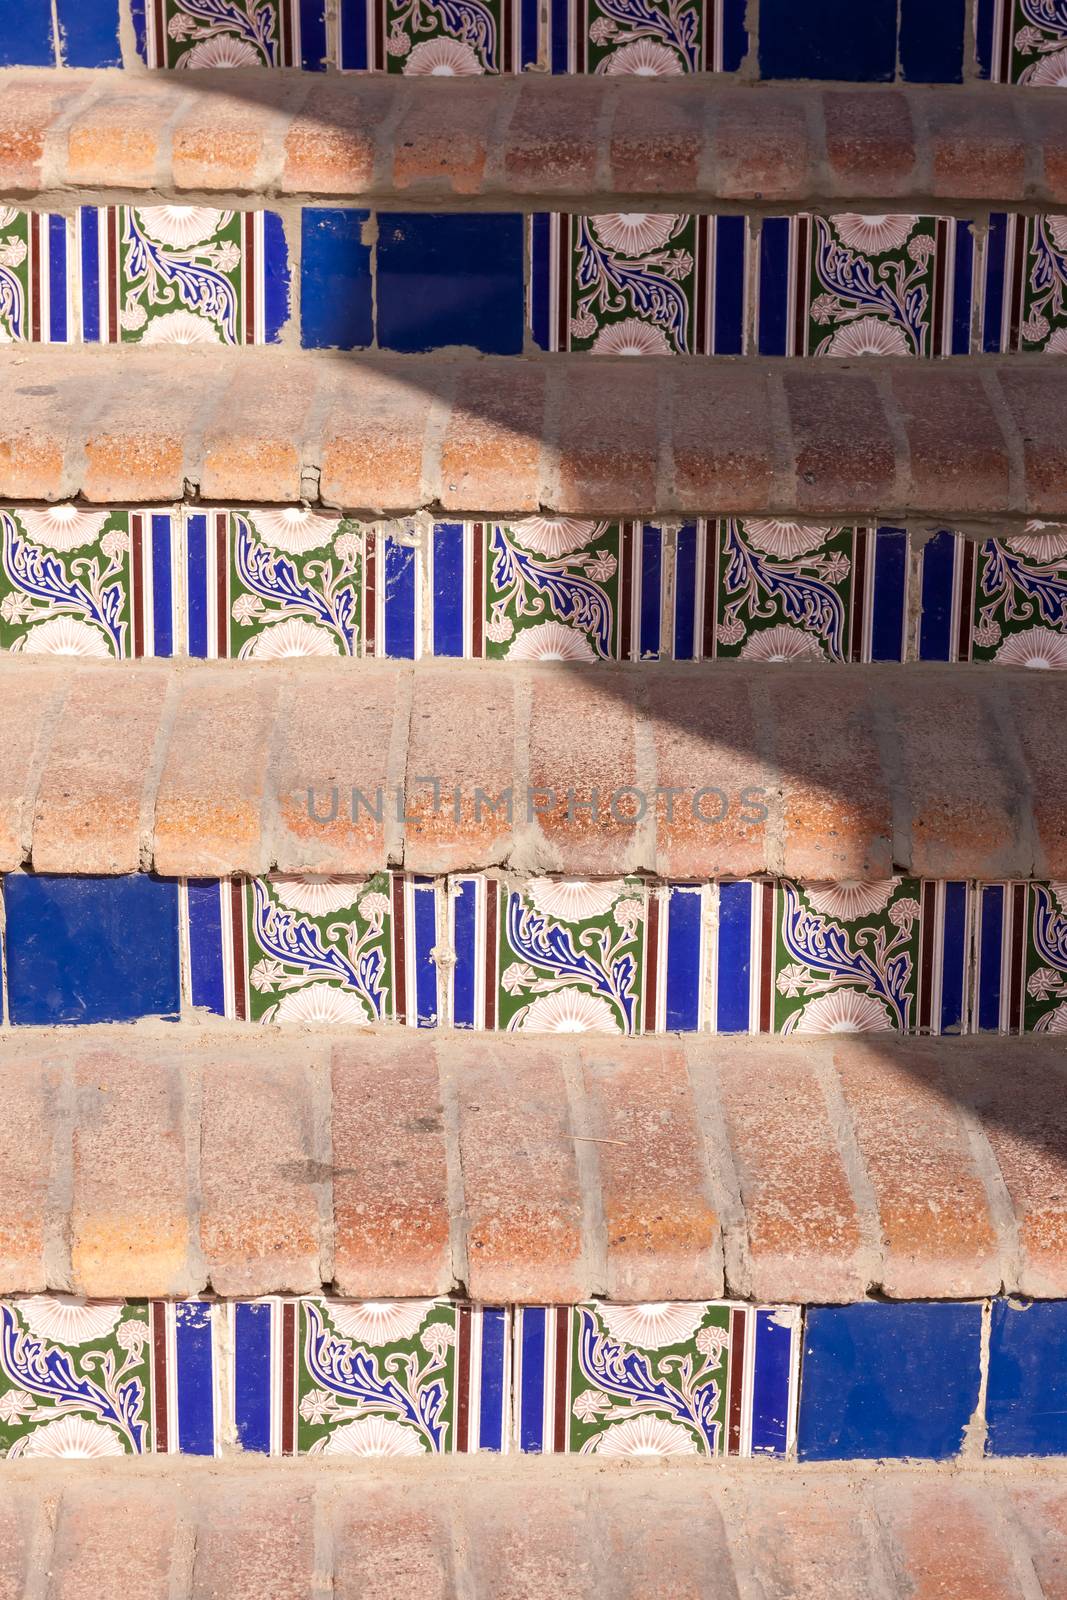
(828, 39)
(881, 1380)
(313, 35)
(450, 280)
(335, 280)
(89, 33)
(91, 949)
(195, 1377)
(931, 41)
(1026, 1404)
(275, 277)
(26, 34)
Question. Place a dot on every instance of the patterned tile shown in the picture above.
(423, 39)
(181, 275)
(853, 285)
(657, 1380)
(89, 583)
(1022, 41)
(36, 278)
(1024, 301)
(1020, 958)
(1003, 601)
(841, 958)
(638, 283)
(231, 33)
(647, 38)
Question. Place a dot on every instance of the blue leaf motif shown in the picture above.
(816, 942)
(573, 596)
(12, 303)
(809, 601)
(675, 25)
(47, 1371)
(543, 943)
(275, 577)
(627, 1375)
(293, 940)
(41, 574)
(349, 1370)
(255, 26)
(1050, 929)
(854, 279)
(612, 281)
(200, 286)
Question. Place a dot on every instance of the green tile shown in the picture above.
(295, 584)
(871, 285)
(1043, 324)
(319, 950)
(1019, 604)
(572, 957)
(783, 590)
(846, 956)
(14, 274)
(552, 590)
(65, 586)
(181, 276)
(633, 282)
(237, 33)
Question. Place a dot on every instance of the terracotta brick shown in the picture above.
(491, 451)
(210, 799)
(373, 432)
(31, 1126)
(552, 142)
(655, 144)
(94, 810)
(390, 1175)
(1033, 398)
(119, 140)
(953, 439)
(140, 434)
(1024, 1118)
(977, 149)
(441, 143)
(459, 806)
(260, 1175)
(801, 1543)
(105, 1528)
(762, 152)
(30, 107)
(40, 411)
(1031, 713)
(835, 795)
(608, 453)
(393, 1541)
(40, 694)
(659, 1555)
(331, 147)
(955, 781)
(939, 1240)
(129, 1220)
(252, 439)
(226, 142)
(1046, 132)
(711, 774)
(583, 763)
(255, 1539)
(947, 1541)
(721, 438)
(21, 1514)
(522, 1202)
(1041, 1511)
(661, 1231)
(842, 443)
(804, 1238)
(870, 142)
(526, 1547)
(334, 753)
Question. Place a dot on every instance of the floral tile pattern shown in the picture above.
(1003, 601)
(680, 1379)
(1025, 284)
(647, 38)
(1020, 958)
(424, 38)
(633, 283)
(231, 33)
(1023, 41)
(36, 281)
(852, 285)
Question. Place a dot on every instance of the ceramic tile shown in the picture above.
(849, 957)
(88, 32)
(682, 1379)
(887, 1381)
(1026, 1404)
(1025, 284)
(91, 949)
(783, 591)
(271, 584)
(231, 33)
(75, 1379)
(638, 283)
(1003, 601)
(26, 38)
(1022, 41)
(931, 41)
(36, 278)
(181, 275)
(450, 278)
(647, 38)
(1021, 958)
(851, 285)
(336, 287)
(421, 39)
(89, 583)
(828, 39)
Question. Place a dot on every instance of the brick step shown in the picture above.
(165, 1161)
(882, 441)
(489, 1530)
(593, 140)
(862, 772)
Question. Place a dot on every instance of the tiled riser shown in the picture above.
(838, 39)
(266, 585)
(631, 284)
(406, 1378)
(905, 956)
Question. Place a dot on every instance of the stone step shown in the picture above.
(592, 142)
(881, 440)
(168, 1160)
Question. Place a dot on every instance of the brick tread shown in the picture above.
(771, 1171)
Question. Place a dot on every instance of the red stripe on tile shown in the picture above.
(1022, 227)
(1018, 956)
(937, 316)
(648, 1021)
(492, 911)
(479, 597)
(159, 1377)
(33, 234)
(737, 1379)
(712, 534)
(137, 597)
(248, 274)
(288, 55)
(561, 1380)
(237, 913)
(964, 628)
(800, 307)
(161, 36)
(563, 298)
(111, 213)
(626, 591)
(463, 1380)
(766, 955)
(705, 233)
(859, 585)
(399, 966)
(222, 586)
(288, 1384)
(926, 955)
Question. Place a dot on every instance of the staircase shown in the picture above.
(398, 676)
